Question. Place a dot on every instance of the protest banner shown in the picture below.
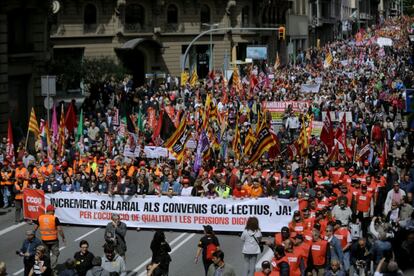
(277, 109)
(337, 116)
(310, 88)
(184, 213)
(316, 128)
(33, 203)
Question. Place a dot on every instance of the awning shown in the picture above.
(133, 43)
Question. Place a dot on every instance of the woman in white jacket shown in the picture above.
(251, 237)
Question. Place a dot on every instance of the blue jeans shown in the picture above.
(5, 191)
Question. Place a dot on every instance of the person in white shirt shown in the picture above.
(251, 237)
(395, 195)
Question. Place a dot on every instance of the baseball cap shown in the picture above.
(266, 264)
(208, 229)
(50, 208)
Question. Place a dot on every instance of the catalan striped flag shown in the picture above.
(236, 139)
(206, 112)
(236, 79)
(328, 60)
(177, 142)
(264, 141)
(33, 125)
(277, 62)
(194, 77)
(249, 142)
(303, 140)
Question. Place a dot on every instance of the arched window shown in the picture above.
(134, 15)
(205, 14)
(172, 14)
(89, 14)
(245, 16)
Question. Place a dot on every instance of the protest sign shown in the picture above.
(310, 88)
(33, 203)
(184, 213)
(277, 109)
(316, 128)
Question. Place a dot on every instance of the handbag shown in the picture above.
(259, 244)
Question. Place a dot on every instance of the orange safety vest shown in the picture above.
(363, 202)
(276, 264)
(342, 235)
(5, 178)
(47, 227)
(294, 263)
(318, 251)
(298, 228)
(19, 190)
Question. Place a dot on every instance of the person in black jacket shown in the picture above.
(160, 251)
(83, 258)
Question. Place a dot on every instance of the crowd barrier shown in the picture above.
(162, 212)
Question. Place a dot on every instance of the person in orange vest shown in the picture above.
(6, 184)
(19, 187)
(283, 235)
(280, 263)
(344, 236)
(364, 206)
(297, 224)
(266, 270)
(50, 227)
(319, 256)
(301, 248)
(295, 259)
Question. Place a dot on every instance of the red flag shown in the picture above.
(293, 150)
(157, 129)
(61, 139)
(327, 135)
(334, 156)
(70, 121)
(10, 144)
(340, 133)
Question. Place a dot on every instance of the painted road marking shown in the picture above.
(172, 251)
(87, 234)
(11, 228)
(144, 263)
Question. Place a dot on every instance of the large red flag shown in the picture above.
(327, 134)
(10, 145)
(384, 155)
(70, 121)
(157, 130)
(340, 133)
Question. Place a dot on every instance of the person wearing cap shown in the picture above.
(115, 233)
(206, 246)
(219, 267)
(50, 227)
(364, 206)
(283, 235)
(28, 250)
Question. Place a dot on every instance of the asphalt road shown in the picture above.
(183, 244)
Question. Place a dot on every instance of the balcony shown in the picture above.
(173, 28)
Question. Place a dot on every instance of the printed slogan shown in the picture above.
(184, 213)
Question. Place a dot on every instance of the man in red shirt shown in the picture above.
(364, 207)
(319, 256)
(344, 236)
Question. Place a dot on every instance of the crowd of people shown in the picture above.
(356, 205)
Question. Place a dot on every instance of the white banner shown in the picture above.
(184, 213)
(310, 87)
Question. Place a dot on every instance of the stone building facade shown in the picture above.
(150, 36)
(24, 50)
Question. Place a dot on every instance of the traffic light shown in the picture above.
(282, 33)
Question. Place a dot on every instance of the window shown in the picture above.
(20, 31)
(134, 15)
(245, 16)
(205, 14)
(89, 15)
(172, 14)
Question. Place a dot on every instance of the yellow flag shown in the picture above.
(194, 77)
(33, 126)
(184, 77)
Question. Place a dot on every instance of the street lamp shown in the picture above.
(211, 59)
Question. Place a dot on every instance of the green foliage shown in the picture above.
(97, 70)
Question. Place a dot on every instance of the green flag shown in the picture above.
(140, 122)
(79, 133)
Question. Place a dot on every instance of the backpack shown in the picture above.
(211, 248)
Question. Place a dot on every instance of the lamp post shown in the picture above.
(211, 57)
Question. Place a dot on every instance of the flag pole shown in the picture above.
(27, 138)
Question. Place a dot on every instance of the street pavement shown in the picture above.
(183, 245)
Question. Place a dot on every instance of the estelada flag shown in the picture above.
(177, 142)
(263, 143)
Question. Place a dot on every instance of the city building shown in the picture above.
(150, 37)
(24, 51)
